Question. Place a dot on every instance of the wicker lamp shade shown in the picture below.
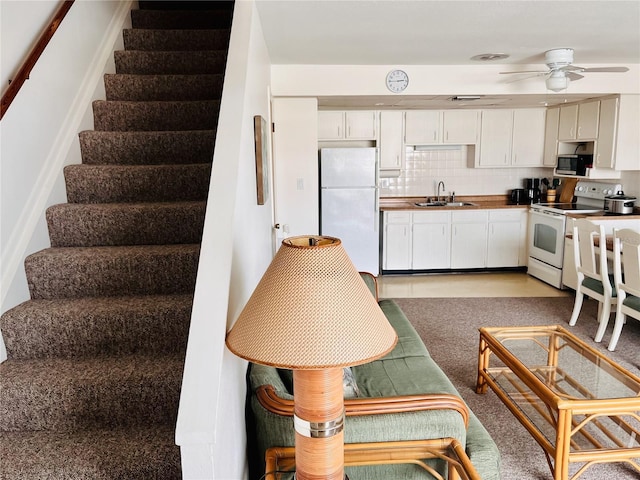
(311, 310)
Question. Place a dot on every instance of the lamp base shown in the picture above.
(319, 405)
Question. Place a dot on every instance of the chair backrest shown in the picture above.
(590, 250)
(627, 264)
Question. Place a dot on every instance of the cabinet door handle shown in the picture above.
(339, 131)
(579, 131)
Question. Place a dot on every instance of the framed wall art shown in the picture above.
(262, 158)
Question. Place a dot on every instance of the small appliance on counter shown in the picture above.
(532, 186)
(619, 204)
(574, 164)
(519, 196)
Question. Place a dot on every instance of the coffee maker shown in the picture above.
(532, 186)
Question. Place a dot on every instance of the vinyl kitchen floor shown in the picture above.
(489, 284)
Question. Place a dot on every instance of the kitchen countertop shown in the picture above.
(481, 201)
(486, 202)
(607, 216)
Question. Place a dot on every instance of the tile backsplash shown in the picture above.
(426, 167)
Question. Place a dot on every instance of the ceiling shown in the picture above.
(428, 32)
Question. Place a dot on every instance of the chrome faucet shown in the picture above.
(443, 187)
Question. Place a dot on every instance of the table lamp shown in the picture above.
(312, 312)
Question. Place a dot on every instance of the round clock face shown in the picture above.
(397, 81)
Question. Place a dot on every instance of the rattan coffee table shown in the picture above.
(579, 406)
(280, 461)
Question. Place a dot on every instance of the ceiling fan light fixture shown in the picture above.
(557, 82)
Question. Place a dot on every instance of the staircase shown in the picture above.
(91, 386)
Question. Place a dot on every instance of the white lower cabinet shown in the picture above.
(507, 238)
(396, 241)
(469, 239)
(430, 238)
(450, 239)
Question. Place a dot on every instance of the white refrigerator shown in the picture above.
(349, 206)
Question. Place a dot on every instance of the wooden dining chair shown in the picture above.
(626, 273)
(594, 280)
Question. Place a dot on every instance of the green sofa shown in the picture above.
(420, 402)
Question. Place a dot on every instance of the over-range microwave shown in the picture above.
(574, 164)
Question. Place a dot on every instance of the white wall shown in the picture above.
(22, 22)
(236, 250)
(355, 80)
(38, 134)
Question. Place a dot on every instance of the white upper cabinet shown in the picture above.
(391, 145)
(350, 125)
(460, 127)
(495, 138)
(512, 138)
(618, 141)
(422, 127)
(579, 122)
(360, 125)
(552, 122)
(433, 127)
(527, 145)
(330, 125)
(568, 123)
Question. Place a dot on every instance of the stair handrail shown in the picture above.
(28, 64)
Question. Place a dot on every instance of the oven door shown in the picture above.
(546, 236)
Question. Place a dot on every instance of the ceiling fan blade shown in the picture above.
(524, 71)
(524, 77)
(573, 76)
(605, 69)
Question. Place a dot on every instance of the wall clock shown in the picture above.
(397, 81)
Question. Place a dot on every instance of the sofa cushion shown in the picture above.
(409, 343)
(391, 377)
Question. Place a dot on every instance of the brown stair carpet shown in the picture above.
(146, 148)
(91, 386)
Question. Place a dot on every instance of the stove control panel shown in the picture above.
(596, 190)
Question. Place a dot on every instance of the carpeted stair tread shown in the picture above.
(146, 88)
(155, 115)
(148, 453)
(172, 40)
(137, 183)
(167, 63)
(81, 327)
(91, 386)
(150, 148)
(79, 224)
(112, 271)
(66, 394)
(183, 19)
(185, 4)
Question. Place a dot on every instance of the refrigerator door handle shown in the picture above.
(376, 209)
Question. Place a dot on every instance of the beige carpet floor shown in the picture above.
(449, 328)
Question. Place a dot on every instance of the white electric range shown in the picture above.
(548, 227)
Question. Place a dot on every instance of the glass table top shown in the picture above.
(566, 366)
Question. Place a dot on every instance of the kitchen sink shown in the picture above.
(446, 204)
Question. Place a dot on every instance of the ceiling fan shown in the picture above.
(561, 70)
